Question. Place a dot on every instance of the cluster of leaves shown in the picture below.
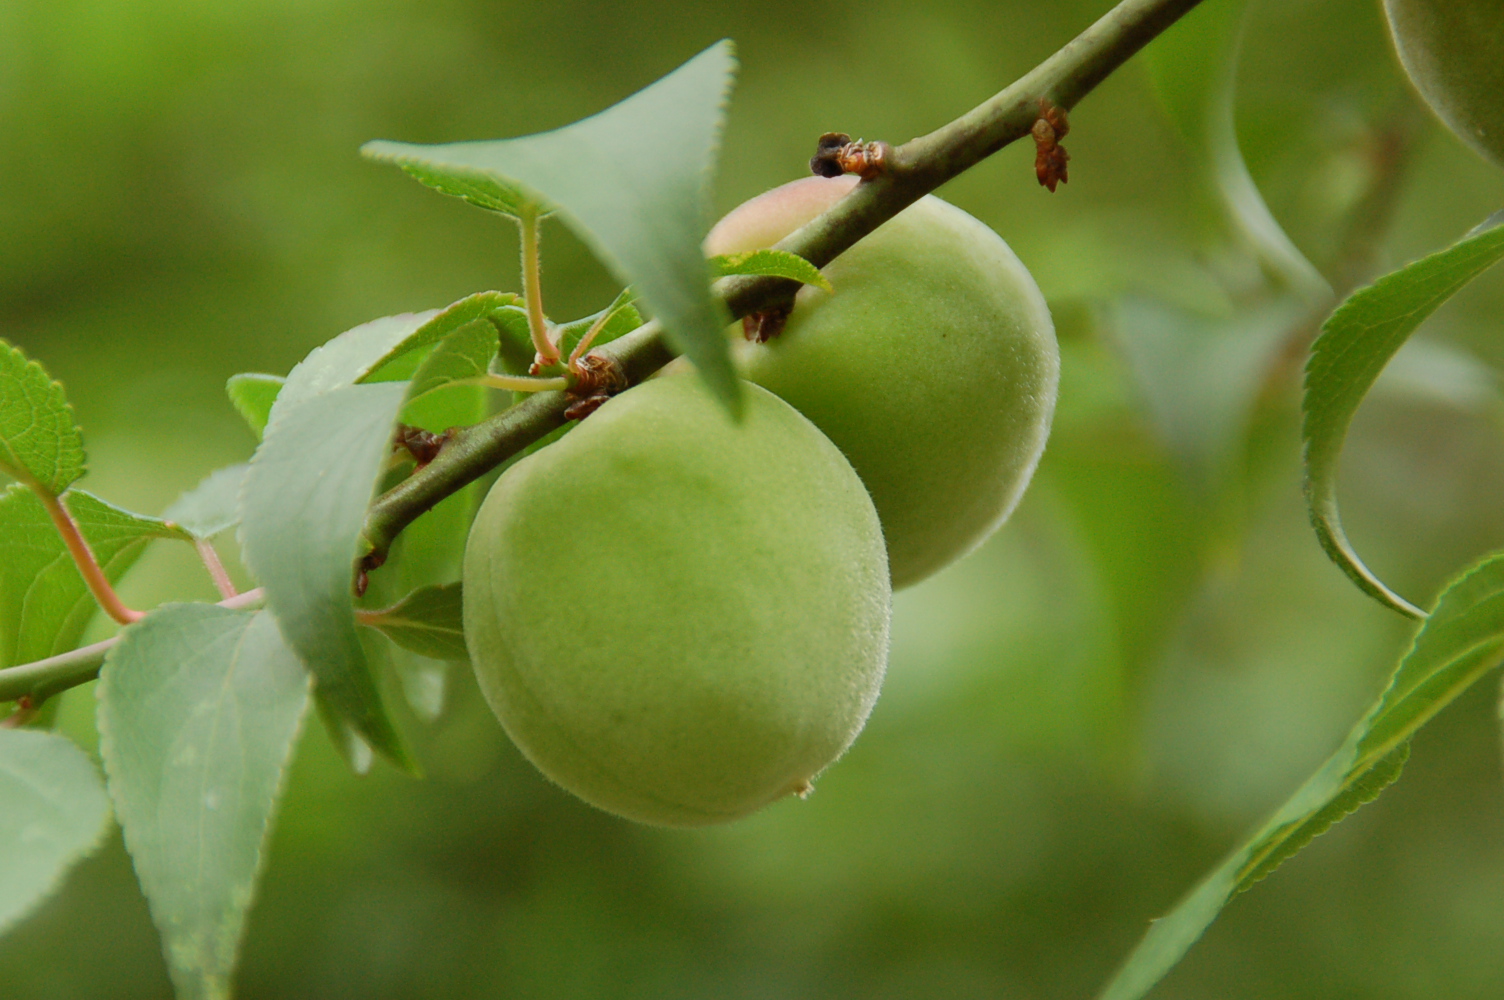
(200, 705)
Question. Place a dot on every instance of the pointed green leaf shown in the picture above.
(633, 182)
(515, 353)
(302, 511)
(1461, 640)
(253, 395)
(357, 753)
(39, 442)
(433, 402)
(402, 359)
(199, 709)
(1355, 344)
(429, 622)
(775, 263)
(53, 812)
(44, 603)
(1194, 71)
(212, 506)
(621, 318)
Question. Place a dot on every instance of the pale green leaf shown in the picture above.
(1201, 375)
(516, 352)
(253, 394)
(44, 603)
(212, 506)
(433, 402)
(39, 441)
(770, 262)
(199, 709)
(53, 812)
(621, 318)
(633, 182)
(1461, 640)
(1193, 68)
(302, 511)
(1356, 343)
(428, 622)
(403, 358)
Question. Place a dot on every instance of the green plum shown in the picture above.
(677, 617)
(1454, 53)
(933, 366)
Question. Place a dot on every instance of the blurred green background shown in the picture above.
(1079, 719)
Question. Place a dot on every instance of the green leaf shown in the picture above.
(1193, 68)
(383, 350)
(632, 182)
(621, 319)
(516, 352)
(1200, 375)
(776, 263)
(302, 510)
(402, 359)
(1456, 645)
(436, 405)
(39, 442)
(212, 506)
(428, 622)
(53, 812)
(44, 603)
(253, 395)
(199, 710)
(1355, 344)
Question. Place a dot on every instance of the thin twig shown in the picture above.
(83, 556)
(216, 568)
(41, 679)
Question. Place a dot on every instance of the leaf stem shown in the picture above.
(517, 383)
(911, 171)
(532, 284)
(41, 679)
(83, 557)
(216, 568)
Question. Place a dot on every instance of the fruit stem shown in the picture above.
(532, 282)
(910, 172)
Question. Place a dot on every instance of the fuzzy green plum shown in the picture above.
(1453, 51)
(678, 617)
(933, 366)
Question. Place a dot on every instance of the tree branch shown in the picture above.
(911, 171)
(35, 682)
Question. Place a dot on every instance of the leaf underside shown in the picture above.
(53, 812)
(1356, 343)
(302, 511)
(199, 710)
(632, 181)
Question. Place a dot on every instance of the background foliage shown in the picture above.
(1079, 720)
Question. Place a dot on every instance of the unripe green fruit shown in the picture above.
(933, 366)
(1454, 53)
(676, 617)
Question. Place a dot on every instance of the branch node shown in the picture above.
(1050, 157)
(423, 446)
(762, 326)
(836, 154)
(596, 379)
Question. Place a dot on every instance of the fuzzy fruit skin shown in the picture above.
(1454, 53)
(933, 367)
(677, 618)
